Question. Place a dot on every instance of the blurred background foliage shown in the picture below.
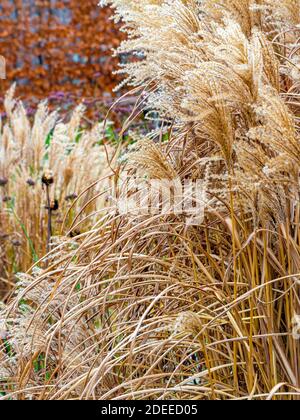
(60, 49)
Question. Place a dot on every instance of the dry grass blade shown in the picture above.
(155, 307)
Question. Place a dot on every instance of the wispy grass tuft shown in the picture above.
(29, 149)
(150, 307)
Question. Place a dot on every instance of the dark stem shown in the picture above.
(49, 228)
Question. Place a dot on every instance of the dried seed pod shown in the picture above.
(3, 181)
(30, 182)
(47, 178)
(54, 205)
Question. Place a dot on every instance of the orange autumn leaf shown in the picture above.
(50, 49)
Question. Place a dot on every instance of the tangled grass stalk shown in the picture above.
(150, 306)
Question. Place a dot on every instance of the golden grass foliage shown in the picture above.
(30, 150)
(155, 308)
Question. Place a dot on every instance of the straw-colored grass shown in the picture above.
(32, 212)
(152, 307)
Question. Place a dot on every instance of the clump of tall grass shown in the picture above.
(151, 307)
(32, 210)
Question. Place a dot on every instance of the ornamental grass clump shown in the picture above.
(150, 306)
(45, 166)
